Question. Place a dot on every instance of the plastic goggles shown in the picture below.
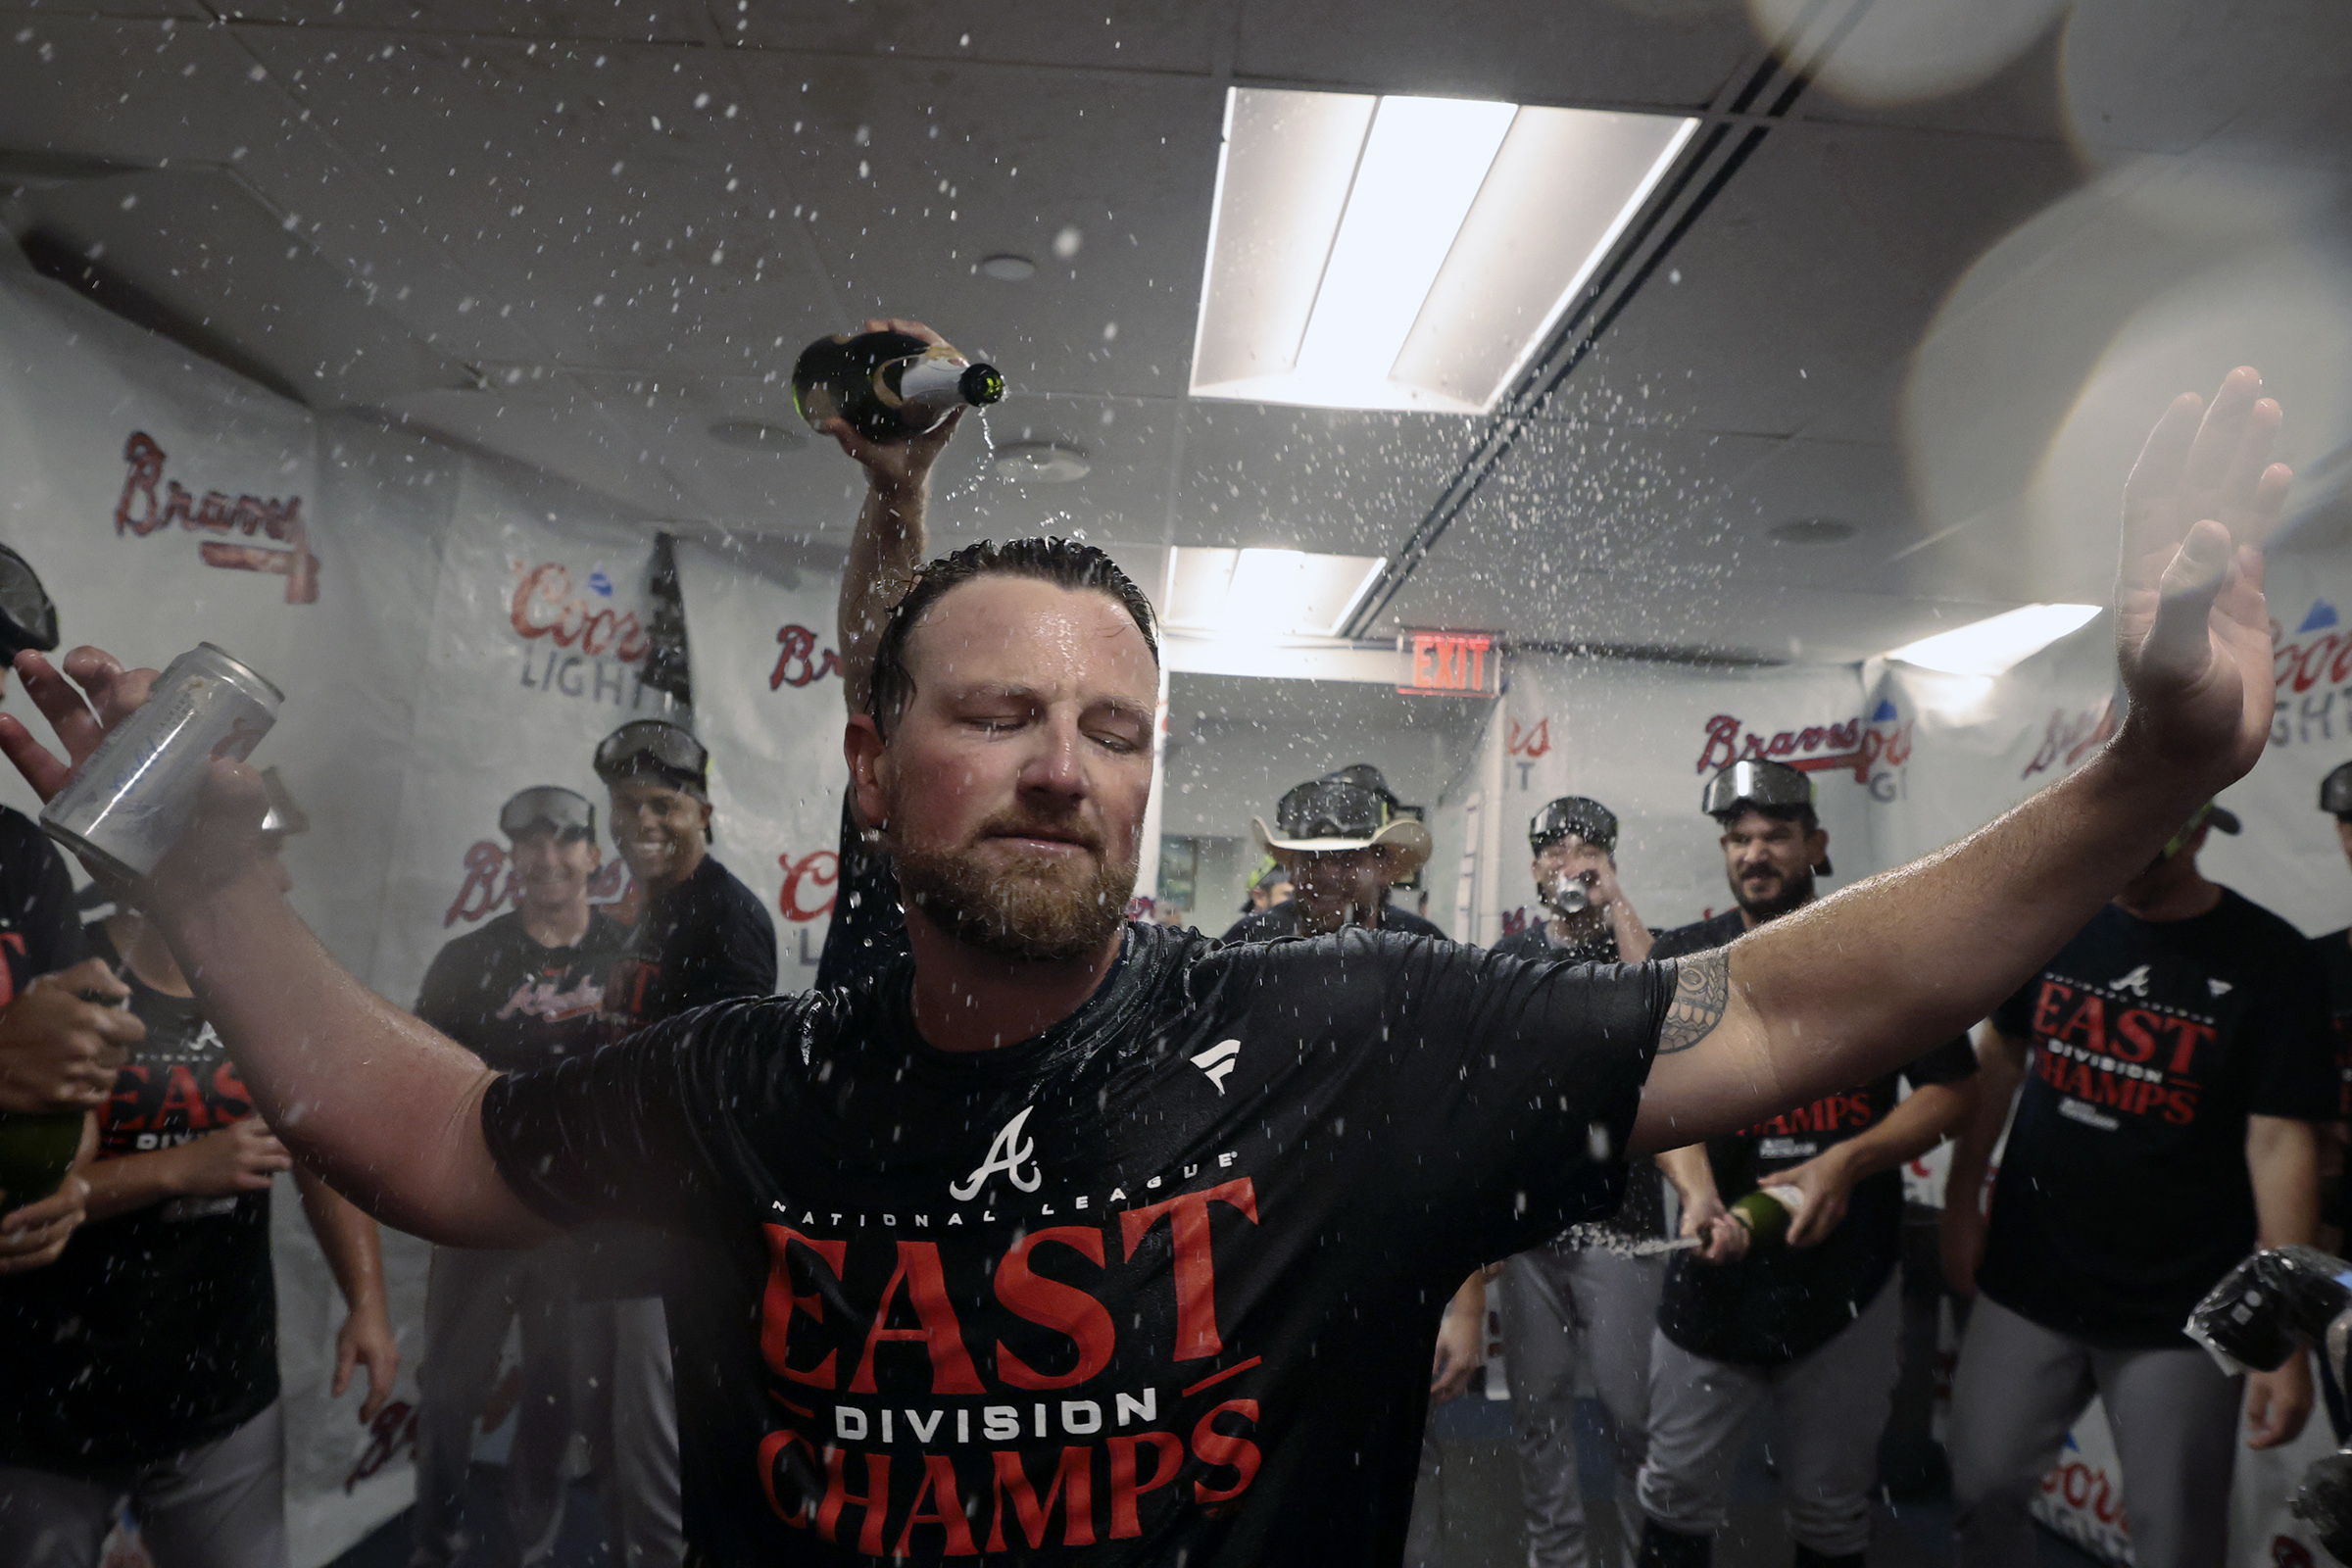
(27, 620)
(1331, 808)
(1574, 816)
(551, 808)
(1768, 784)
(653, 746)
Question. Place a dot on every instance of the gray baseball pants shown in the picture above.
(1831, 1404)
(2020, 1387)
(1564, 1314)
(220, 1505)
(470, 1298)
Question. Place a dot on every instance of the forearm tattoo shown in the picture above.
(1702, 986)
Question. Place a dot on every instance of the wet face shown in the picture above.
(1011, 791)
(1329, 883)
(660, 830)
(553, 870)
(1564, 859)
(1770, 862)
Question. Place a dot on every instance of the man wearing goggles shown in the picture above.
(2181, 1067)
(521, 991)
(1813, 1327)
(1581, 1307)
(1344, 844)
(701, 937)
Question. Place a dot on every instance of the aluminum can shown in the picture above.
(130, 800)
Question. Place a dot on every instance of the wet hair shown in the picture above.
(1065, 563)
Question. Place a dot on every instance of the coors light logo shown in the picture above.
(579, 642)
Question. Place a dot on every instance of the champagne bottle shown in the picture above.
(887, 385)
(1768, 1213)
(36, 1150)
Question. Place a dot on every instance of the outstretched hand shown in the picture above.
(903, 463)
(2192, 632)
(85, 704)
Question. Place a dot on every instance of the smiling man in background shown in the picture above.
(701, 937)
(521, 991)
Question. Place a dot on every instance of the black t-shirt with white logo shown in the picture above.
(1160, 1284)
(157, 1330)
(39, 931)
(513, 1002)
(709, 939)
(1642, 1217)
(2124, 1193)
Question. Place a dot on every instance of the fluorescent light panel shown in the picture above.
(1407, 253)
(1991, 646)
(1266, 593)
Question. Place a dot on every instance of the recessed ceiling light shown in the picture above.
(756, 435)
(1813, 530)
(1267, 593)
(1991, 646)
(1041, 462)
(1009, 269)
(1407, 253)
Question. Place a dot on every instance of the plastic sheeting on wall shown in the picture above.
(767, 698)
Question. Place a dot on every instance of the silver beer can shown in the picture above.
(130, 800)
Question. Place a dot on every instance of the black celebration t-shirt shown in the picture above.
(513, 1002)
(1642, 1217)
(39, 931)
(157, 1330)
(1160, 1284)
(2124, 1193)
(1780, 1303)
(707, 940)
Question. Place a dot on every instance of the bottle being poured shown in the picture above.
(887, 385)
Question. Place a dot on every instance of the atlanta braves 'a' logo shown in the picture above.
(1007, 1151)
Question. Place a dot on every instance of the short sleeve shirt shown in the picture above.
(157, 1330)
(40, 932)
(2123, 1193)
(709, 939)
(515, 1003)
(1160, 1284)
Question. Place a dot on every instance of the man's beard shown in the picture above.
(1049, 909)
(1795, 893)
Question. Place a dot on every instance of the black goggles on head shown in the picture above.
(550, 807)
(2335, 792)
(1774, 785)
(653, 746)
(1576, 816)
(1331, 808)
(27, 620)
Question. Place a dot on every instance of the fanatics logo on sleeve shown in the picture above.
(1007, 1153)
(1218, 1060)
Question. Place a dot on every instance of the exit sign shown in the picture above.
(1452, 663)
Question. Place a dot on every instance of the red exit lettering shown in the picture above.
(1449, 663)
